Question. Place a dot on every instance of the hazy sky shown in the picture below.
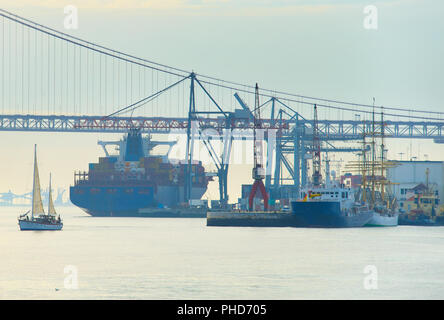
(317, 48)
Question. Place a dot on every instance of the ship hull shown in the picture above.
(421, 221)
(326, 214)
(312, 215)
(379, 220)
(152, 213)
(140, 202)
(29, 225)
(104, 201)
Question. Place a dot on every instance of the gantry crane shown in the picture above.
(317, 176)
(258, 169)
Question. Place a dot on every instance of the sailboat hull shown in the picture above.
(34, 225)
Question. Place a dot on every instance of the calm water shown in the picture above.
(140, 258)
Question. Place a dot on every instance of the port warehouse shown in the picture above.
(409, 174)
(409, 178)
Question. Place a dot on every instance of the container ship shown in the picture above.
(137, 183)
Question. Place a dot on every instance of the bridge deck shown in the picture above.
(329, 129)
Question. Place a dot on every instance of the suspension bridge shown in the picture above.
(55, 82)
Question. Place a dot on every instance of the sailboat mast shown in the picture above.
(382, 157)
(33, 180)
(364, 165)
(50, 195)
(373, 154)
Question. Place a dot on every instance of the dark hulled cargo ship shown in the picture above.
(320, 208)
(331, 207)
(136, 183)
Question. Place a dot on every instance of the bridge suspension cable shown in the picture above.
(329, 104)
(143, 101)
(310, 103)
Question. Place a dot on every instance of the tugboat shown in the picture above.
(427, 211)
(38, 219)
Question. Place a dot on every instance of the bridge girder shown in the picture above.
(329, 129)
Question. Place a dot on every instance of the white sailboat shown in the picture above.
(38, 219)
(386, 213)
(375, 188)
